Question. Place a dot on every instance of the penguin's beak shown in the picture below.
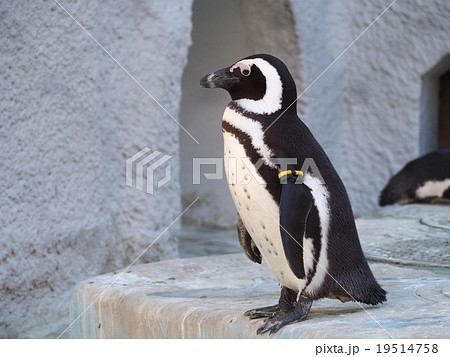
(221, 78)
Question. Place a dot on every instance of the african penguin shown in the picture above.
(301, 226)
(425, 179)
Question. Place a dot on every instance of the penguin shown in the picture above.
(423, 180)
(296, 219)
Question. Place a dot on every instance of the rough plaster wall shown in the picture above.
(270, 27)
(322, 37)
(365, 110)
(383, 99)
(69, 119)
(224, 31)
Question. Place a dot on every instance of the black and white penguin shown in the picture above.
(425, 179)
(301, 226)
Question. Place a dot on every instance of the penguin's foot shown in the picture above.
(283, 318)
(286, 304)
(263, 311)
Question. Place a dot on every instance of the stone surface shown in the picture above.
(70, 117)
(412, 235)
(205, 297)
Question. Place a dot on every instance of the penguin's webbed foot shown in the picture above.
(283, 318)
(286, 303)
(263, 312)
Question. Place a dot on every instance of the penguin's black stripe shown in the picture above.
(264, 119)
(268, 173)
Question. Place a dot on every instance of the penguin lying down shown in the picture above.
(426, 179)
(301, 226)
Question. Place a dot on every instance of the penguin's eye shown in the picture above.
(245, 72)
(244, 68)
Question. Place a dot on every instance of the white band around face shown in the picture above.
(272, 100)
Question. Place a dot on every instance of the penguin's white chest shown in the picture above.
(258, 210)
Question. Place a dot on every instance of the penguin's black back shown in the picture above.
(403, 185)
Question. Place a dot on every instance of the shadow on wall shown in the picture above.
(224, 32)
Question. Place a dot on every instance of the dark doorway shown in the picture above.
(435, 107)
(444, 111)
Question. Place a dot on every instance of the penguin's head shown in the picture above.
(259, 83)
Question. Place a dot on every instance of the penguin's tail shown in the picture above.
(365, 288)
(373, 295)
(360, 286)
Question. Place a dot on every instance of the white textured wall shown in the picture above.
(70, 116)
(385, 76)
(366, 110)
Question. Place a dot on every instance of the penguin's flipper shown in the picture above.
(246, 242)
(296, 202)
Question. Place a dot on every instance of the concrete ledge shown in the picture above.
(206, 297)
